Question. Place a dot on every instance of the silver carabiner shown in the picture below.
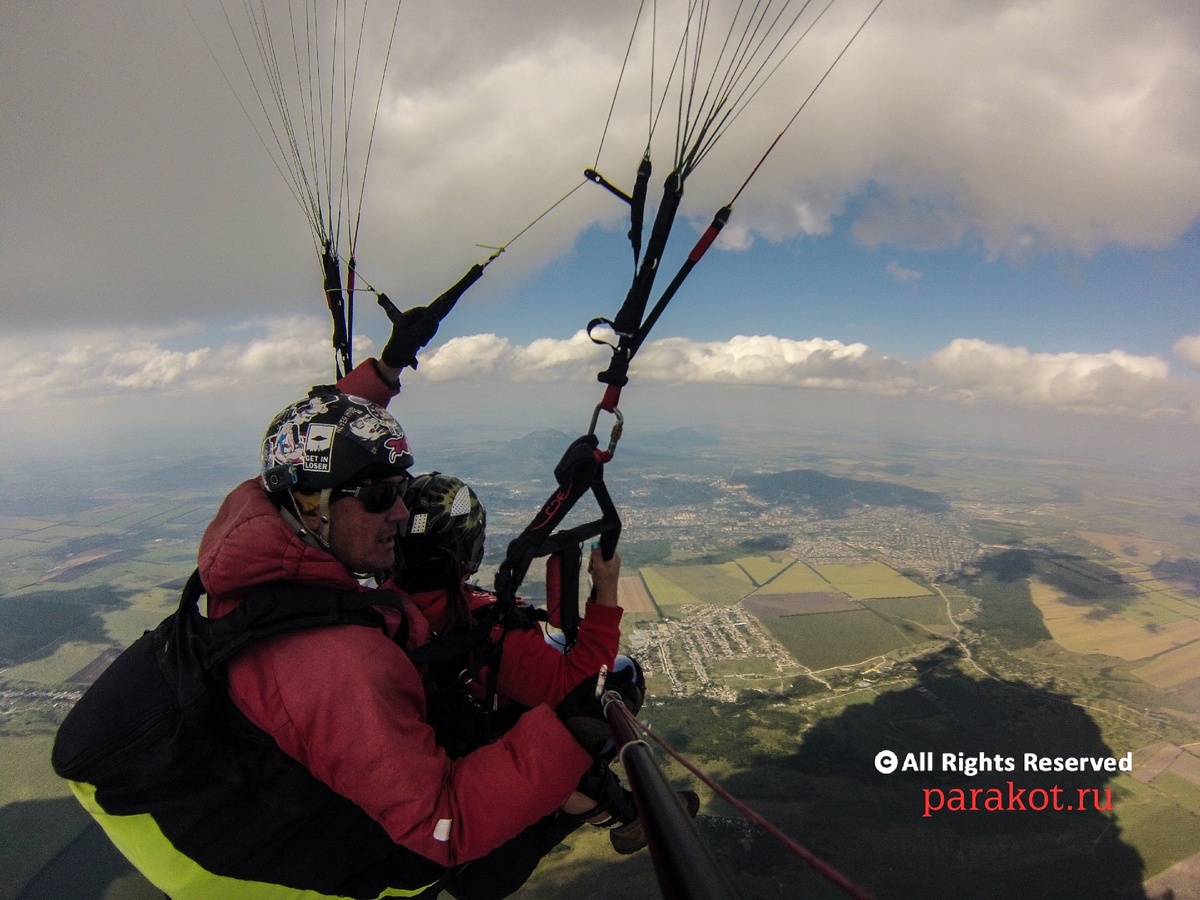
(617, 429)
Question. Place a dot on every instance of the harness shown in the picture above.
(454, 666)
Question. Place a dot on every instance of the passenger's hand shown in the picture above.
(606, 574)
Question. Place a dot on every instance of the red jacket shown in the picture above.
(348, 704)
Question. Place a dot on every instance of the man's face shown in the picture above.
(363, 541)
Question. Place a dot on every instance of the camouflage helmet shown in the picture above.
(331, 439)
(444, 535)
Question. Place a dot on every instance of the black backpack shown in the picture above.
(157, 734)
(166, 694)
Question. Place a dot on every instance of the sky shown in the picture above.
(987, 216)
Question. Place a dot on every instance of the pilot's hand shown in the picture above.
(411, 330)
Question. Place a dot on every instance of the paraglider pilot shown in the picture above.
(321, 775)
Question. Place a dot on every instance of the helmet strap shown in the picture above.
(323, 512)
(295, 520)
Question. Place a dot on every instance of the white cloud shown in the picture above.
(285, 353)
(471, 356)
(758, 359)
(146, 367)
(900, 273)
(765, 359)
(1088, 382)
(1032, 125)
(1187, 348)
(265, 363)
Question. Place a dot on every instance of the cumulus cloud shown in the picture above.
(743, 359)
(279, 357)
(287, 352)
(471, 356)
(1187, 348)
(1090, 382)
(769, 360)
(1018, 126)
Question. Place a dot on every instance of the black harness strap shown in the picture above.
(336, 301)
(266, 612)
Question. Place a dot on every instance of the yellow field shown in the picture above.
(763, 568)
(14, 523)
(1187, 766)
(1134, 549)
(797, 579)
(870, 581)
(1118, 635)
(722, 585)
(1172, 669)
(664, 591)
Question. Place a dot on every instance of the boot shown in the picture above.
(631, 837)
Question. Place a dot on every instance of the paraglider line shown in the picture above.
(796, 114)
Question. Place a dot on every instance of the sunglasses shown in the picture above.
(378, 497)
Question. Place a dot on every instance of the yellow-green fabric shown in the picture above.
(142, 842)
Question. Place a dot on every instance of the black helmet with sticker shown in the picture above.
(444, 535)
(331, 439)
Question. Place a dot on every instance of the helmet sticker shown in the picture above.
(398, 449)
(284, 447)
(318, 447)
(461, 504)
(367, 427)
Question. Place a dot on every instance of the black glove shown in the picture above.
(600, 784)
(583, 714)
(411, 330)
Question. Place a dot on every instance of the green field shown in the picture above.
(929, 612)
(27, 783)
(1161, 829)
(870, 581)
(1181, 791)
(144, 612)
(825, 640)
(67, 659)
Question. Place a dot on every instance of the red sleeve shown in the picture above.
(533, 672)
(365, 381)
(364, 735)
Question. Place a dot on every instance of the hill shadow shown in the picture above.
(832, 496)
(1001, 579)
(900, 836)
(34, 624)
(1184, 571)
